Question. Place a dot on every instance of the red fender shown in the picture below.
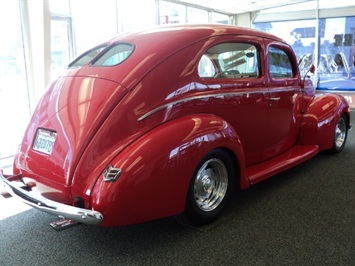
(149, 186)
(320, 120)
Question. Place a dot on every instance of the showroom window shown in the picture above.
(195, 15)
(336, 51)
(229, 60)
(59, 6)
(62, 39)
(62, 46)
(220, 18)
(172, 13)
(89, 27)
(132, 15)
(14, 101)
(337, 54)
(299, 34)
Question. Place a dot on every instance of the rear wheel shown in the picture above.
(340, 134)
(210, 187)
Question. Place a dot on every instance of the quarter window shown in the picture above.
(279, 64)
(230, 60)
(206, 68)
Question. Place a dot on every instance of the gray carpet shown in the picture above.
(305, 216)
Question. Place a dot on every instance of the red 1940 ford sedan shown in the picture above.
(167, 121)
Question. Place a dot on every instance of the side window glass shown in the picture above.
(206, 68)
(230, 60)
(279, 64)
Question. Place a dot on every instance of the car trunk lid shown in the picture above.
(64, 122)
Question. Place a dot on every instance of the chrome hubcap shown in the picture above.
(211, 184)
(340, 133)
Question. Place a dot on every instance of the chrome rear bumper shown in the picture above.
(37, 201)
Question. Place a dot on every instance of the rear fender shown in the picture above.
(157, 168)
(320, 120)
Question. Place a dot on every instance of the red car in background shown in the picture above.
(166, 121)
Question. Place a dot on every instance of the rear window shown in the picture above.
(86, 57)
(114, 55)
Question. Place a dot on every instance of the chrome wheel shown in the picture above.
(210, 187)
(340, 134)
(211, 184)
(341, 130)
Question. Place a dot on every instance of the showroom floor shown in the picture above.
(305, 216)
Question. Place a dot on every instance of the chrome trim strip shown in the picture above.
(70, 212)
(218, 95)
(191, 99)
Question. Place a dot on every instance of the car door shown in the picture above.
(285, 98)
(235, 68)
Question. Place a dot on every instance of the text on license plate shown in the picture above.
(44, 141)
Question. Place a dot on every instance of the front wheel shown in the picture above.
(340, 134)
(210, 187)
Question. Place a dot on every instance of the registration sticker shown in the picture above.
(44, 141)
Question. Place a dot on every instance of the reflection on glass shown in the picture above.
(229, 60)
(279, 64)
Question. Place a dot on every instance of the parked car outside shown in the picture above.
(171, 120)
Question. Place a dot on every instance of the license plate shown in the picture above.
(44, 141)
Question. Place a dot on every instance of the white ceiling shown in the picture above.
(244, 6)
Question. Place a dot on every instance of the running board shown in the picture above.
(282, 162)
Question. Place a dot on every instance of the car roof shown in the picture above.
(191, 32)
(154, 45)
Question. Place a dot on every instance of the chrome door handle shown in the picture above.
(274, 98)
